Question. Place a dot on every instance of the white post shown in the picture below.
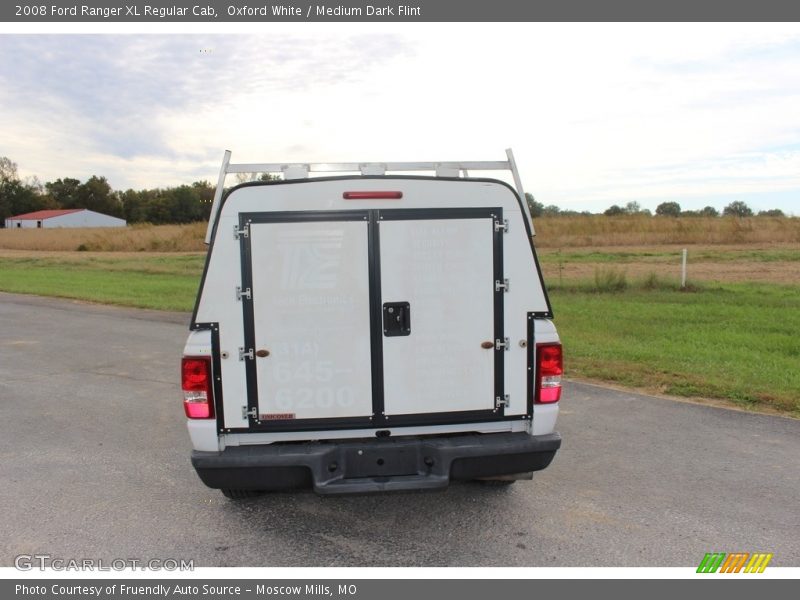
(683, 270)
(226, 159)
(512, 164)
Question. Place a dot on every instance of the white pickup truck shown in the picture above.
(370, 332)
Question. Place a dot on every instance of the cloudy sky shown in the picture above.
(597, 114)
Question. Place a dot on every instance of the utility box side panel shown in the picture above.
(218, 304)
(524, 298)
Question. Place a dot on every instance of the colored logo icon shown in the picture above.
(737, 562)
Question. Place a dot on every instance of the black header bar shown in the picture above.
(238, 11)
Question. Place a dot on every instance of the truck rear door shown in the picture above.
(372, 318)
(437, 274)
(310, 323)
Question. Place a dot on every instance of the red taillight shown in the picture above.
(198, 401)
(549, 368)
(374, 195)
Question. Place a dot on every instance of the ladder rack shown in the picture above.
(302, 170)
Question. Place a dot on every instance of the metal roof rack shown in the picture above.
(302, 170)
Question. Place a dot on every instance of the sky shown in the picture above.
(597, 114)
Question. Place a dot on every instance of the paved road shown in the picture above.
(94, 464)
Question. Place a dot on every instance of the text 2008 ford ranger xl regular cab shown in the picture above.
(370, 332)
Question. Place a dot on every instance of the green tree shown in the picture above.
(737, 208)
(614, 211)
(8, 169)
(18, 197)
(535, 207)
(96, 194)
(158, 210)
(633, 208)
(774, 212)
(183, 203)
(8, 174)
(64, 192)
(668, 209)
(551, 210)
(134, 205)
(205, 193)
(709, 211)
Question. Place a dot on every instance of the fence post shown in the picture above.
(683, 270)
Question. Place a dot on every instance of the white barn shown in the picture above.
(73, 217)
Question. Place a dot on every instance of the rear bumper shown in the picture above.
(375, 465)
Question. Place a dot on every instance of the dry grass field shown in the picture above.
(554, 232)
(134, 238)
(599, 231)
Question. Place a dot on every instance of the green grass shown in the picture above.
(159, 282)
(550, 256)
(739, 342)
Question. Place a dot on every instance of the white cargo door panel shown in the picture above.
(311, 319)
(444, 270)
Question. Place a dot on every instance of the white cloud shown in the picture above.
(596, 113)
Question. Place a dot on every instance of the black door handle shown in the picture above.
(396, 319)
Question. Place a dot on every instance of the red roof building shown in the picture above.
(70, 217)
(44, 214)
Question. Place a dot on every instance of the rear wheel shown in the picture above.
(240, 494)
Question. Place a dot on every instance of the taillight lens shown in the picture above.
(198, 401)
(549, 368)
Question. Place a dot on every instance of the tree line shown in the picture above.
(181, 204)
(737, 208)
(189, 203)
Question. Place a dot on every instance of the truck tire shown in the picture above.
(240, 494)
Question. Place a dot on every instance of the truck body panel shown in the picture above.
(371, 308)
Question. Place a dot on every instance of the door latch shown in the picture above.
(503, 344)
(253, 412)
(243, 232)
(249, 354)
(501, 285)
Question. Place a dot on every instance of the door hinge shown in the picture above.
(249, 354)
(243, 232)
(253, 412)
(501, 285)
(502, 344)
(498, 225)
(502, 401)
(243, 293)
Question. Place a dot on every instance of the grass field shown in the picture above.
(596, 230)
(166, 281)
(736, 341)
(765, 263)
(555, 232)
(134, 238)
(734, 335)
